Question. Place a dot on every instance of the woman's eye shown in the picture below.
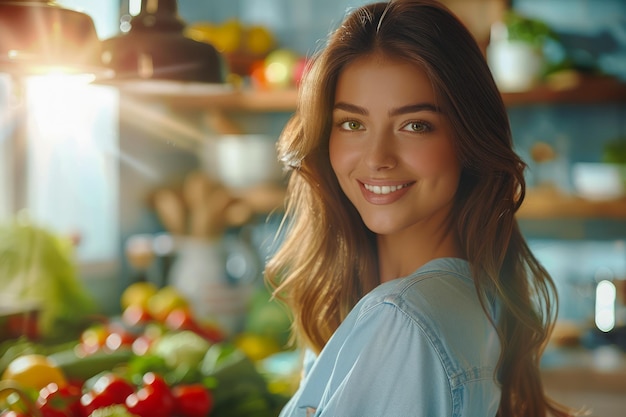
(418, 127)
(351, 125)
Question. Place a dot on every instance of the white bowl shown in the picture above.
(241, 161)
(598, 181)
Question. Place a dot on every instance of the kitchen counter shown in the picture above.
(591, 379)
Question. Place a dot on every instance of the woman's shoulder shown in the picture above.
(440, 298)
(444, 277)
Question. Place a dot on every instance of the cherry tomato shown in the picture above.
(158, 384)
(55, 401)
(153, 399)
(193, 400)
(109, 389)
(91, 401)
(113, 386)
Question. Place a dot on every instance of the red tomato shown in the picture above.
(91, 401)
(153, 399)
(108, 389)
(193, 400)
(114, 387)
(55, 401)
(157, 383)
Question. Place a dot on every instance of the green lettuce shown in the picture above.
(37, 267)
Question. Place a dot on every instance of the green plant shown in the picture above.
(614, 151)
(526, 29)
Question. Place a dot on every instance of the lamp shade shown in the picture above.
(37, 37)
(156, 49)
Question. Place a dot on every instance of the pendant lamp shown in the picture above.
(155, 51)
(39, 36)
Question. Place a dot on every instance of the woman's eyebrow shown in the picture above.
(410, 108)
(414, 108)
(352, 108)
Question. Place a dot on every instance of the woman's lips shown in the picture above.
(384, 189)
(384, 193)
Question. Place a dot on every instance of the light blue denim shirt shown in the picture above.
(417, 346)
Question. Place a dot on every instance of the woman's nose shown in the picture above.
(380, 154)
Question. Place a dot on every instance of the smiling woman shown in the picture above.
(412, 287)
(395, 158)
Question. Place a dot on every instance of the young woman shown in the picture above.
(413, 291)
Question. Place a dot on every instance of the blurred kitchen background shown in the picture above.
(115, 166)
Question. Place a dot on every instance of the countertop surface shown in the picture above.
(590, 379)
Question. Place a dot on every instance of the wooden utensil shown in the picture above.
(170, 210)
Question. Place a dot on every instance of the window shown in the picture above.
(71, 162)
(59, 153)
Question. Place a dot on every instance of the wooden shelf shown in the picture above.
(548, 204)
(574, 89)
(225, 99)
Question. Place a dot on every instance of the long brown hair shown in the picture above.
(327, 259)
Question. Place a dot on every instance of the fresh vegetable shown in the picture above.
(55, 401)
(34, 371)
(36, 266)
(268, 318)
(17, 399)
(185, 348)
(240, 390)
(192, 400)
(81, 368)
(108, 389)
(109, 336)
(153, 399)
(12, 349)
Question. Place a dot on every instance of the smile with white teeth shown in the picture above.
(384, 189)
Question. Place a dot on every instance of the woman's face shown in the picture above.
(391, 148)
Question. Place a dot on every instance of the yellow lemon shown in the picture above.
(34, 371)
(138, 294)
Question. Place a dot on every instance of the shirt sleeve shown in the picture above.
(386, 366)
